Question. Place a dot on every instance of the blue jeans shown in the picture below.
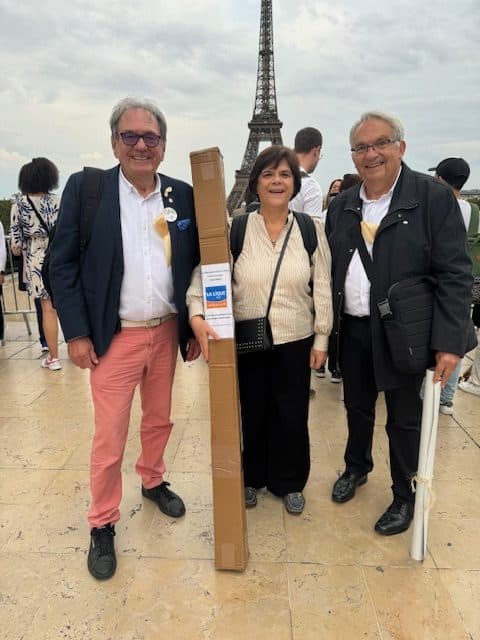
(448, 391)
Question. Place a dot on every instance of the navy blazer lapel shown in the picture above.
(108, 213)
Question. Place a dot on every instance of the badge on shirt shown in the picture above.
(170, 214)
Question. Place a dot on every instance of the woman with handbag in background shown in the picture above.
(33, 217)
(279, 287)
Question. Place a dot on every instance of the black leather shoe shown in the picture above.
(396, 518)
(344, 488)
(102, 562)
(168, 502)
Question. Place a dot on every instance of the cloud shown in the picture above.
(199, 61)
(94, 156)
(11, 159)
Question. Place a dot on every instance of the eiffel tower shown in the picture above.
(264, 125)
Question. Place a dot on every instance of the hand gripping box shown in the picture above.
(229, 518)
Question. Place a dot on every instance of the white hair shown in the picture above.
(137, 103)
(392, 121)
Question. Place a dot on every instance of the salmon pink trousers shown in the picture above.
(144, 356)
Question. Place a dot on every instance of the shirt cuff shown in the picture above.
(195, 308)
(320, 343)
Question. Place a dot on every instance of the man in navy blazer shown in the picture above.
(121, 304)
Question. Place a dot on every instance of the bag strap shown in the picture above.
(308, 231)
(367, 261)
(304, 221)
(237, 235)
(277, 268)
(40, 219)
(91, 191)
(369, 266)
(474, 215)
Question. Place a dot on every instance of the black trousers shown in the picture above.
(39, 313)
(404, 409)
(274, 396)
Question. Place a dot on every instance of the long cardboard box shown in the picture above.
(229, 518)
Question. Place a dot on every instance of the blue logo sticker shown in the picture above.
(216, 296)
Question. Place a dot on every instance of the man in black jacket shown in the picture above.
(122, 308)
(411, 226)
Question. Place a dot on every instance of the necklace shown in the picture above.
(277, 232)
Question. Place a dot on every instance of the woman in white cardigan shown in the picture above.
(274, 384)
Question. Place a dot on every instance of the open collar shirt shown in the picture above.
(357, 284)
(147, 285)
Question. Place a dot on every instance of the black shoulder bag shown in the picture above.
(406, 312)
(256, 334)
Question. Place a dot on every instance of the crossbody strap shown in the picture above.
(277, 268)
(40, 219)
(383, 304)
(366, 259)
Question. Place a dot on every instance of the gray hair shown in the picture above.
(137, 103)
(392, 122)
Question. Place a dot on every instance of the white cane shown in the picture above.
(426, 458)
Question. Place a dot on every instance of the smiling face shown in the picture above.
(275, 186)
(377, 168)
(139, 163)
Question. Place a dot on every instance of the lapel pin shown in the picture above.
(170, 214)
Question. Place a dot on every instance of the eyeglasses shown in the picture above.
(381, 144)
(130, 138)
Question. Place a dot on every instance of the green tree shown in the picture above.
(5, 206)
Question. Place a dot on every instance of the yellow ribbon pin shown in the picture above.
(161, 227)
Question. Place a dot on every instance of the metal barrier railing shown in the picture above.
(14, 301)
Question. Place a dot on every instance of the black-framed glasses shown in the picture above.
(130, 138)
(381, 144)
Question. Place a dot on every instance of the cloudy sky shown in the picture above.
(64, 64)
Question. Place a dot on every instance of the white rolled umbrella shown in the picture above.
(426, 459)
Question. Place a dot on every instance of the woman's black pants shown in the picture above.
(274, 396)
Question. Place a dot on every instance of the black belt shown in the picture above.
(347, 316)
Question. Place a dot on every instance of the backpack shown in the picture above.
(90, 193)
(473, 239)
(304, 221)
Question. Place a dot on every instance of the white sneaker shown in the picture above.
(51, 363)
(446, 408)
(469, 387)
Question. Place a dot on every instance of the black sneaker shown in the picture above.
(320, 373)
(336, 377)
(102, 562)
(168, 502)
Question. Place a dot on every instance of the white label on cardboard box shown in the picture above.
(217, 298)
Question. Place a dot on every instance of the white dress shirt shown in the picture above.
(3, 249)
(147, 285)
(466, 211)
(357, 284)
(310, 197)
